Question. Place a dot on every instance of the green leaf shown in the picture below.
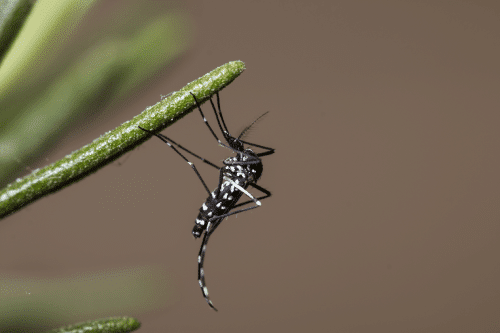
(50, 23)
(13, 13)
(107, 325)
(115, 143)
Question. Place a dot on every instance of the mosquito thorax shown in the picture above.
(255, 169)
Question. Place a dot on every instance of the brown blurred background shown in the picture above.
(385, 214)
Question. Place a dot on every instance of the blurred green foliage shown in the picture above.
(69, 61)
(12, 16)
(36, 304)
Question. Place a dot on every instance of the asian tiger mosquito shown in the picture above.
(237, 174)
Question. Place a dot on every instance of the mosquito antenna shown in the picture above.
(248, 127)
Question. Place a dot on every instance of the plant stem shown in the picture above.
(115, 143)
(107, 325)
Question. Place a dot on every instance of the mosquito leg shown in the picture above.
(166, 140)
(269, 152)
(263, 190)
(220, 112)
(187, 150)
(257, 205)
(224, 129)
(205, 119)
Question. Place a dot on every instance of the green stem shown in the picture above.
(107, 325)
(115, 143)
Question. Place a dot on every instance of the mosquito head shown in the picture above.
(235, 143)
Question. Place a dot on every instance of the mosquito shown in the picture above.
(237, 174)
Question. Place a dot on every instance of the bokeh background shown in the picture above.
(385, 214)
